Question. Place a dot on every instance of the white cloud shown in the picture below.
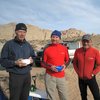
(53, 14)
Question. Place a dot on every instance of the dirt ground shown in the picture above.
(71, 78)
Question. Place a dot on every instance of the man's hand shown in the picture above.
(64, 66)
(53, 68)
(31, 60)
(20, 63)
(92, 75)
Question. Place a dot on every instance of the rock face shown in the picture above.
(72, 33)
(35, 33)
(7, 31)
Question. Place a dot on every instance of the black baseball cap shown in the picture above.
(21, 26)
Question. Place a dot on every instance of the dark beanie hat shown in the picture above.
(57, 33)
(21, 26)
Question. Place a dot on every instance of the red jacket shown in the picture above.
(55, 54)
(86, 62)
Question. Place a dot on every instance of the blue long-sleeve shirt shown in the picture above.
(14, 50)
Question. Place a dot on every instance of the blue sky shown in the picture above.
(53, 14)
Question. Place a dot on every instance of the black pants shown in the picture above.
(93, 86)
(19, 86)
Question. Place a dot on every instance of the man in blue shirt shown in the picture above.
(17, 57)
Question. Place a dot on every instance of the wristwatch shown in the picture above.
(92, 75)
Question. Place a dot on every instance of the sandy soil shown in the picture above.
(71, 78)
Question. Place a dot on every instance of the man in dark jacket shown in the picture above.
(87, 64)
(17, 57)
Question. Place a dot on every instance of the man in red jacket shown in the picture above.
(55, 59)
(86, 63)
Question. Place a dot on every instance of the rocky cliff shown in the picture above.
(35, 33)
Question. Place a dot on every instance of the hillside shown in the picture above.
(39, 37)
(96, 41)
(35, 33)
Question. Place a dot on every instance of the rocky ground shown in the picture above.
(71, 78)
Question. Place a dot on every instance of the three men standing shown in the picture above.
(17, 57)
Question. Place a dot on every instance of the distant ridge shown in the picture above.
(39, 37)
(35, 33)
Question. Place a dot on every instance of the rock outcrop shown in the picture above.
(35, 33)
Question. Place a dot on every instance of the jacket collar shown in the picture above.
(55, 44)
(86, 49)
(18, 41)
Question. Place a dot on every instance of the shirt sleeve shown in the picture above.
(5, 61)
(75, 62)
(97, 63)
(32, 53)
(67, 60)
(44, 61)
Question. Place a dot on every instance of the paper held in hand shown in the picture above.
(26, 61)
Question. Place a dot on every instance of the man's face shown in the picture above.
(55, 39)
(21, 34)
(86, 43)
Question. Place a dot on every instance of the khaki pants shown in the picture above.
(53, 83)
